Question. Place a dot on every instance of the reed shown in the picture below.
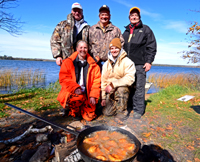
(162, 80)
(15, 78)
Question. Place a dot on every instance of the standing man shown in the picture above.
(101, 34)
(67, 33)
(140, 45)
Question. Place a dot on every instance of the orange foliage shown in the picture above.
(147, 134)
(193, 55)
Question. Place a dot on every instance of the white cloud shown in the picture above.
(155, 16)
(162, 40)
(179, 26)
(167, 53)
(30, 45)
(143, 12)
(129, 5)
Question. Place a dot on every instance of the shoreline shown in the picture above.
(53, 60)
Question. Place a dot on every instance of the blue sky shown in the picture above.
(169, 20)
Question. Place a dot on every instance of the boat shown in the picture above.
(148, 86)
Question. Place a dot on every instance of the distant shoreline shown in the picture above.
(189, 66)
(25, 59)
(52, 60)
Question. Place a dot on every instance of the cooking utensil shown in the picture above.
(80, 136)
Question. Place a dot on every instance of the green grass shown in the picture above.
(35, 98)
(164, 109)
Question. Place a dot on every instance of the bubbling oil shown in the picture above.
(109, 146)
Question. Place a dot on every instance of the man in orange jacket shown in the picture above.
(80, 79)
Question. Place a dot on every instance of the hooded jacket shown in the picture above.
(118, 73)
(142, 47)
(67, 79)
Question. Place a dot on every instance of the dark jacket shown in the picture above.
(142, 47)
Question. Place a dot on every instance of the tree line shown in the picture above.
(5, 57)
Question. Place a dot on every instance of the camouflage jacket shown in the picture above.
(63, 41)
(99, 41)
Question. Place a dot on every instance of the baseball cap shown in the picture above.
(76, 5)
(134, 8)
(104, 7)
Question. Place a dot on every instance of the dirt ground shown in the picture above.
(17, 123)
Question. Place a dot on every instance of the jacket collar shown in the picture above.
(109, 26)
(121, 55)
(74, 55)
(139, 26)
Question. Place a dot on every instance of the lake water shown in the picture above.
(52, 70)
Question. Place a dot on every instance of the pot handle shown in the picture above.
(42, 119)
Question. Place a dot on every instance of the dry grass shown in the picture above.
(20, 78)
(163, 80)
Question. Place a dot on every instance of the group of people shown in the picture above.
(99, 63)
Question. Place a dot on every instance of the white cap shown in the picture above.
(76, 5)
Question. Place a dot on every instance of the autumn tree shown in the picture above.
(7, 20)
(193, 54)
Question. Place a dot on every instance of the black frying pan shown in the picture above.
(80, 136)
(90, 130)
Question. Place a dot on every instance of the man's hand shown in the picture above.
(147, 66)
(108, 89)
(92, 101)
(59, 61)
(103, 103)
(78, 91)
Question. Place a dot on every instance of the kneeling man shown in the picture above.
(80, 79)
(117, 75)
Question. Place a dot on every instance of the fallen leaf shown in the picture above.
(12, 148)
(196, 159)
(7, 155)
(160, 129)
(144, 140)
(164, 135)
(147, 134)
(190, 148)
(169, 128)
